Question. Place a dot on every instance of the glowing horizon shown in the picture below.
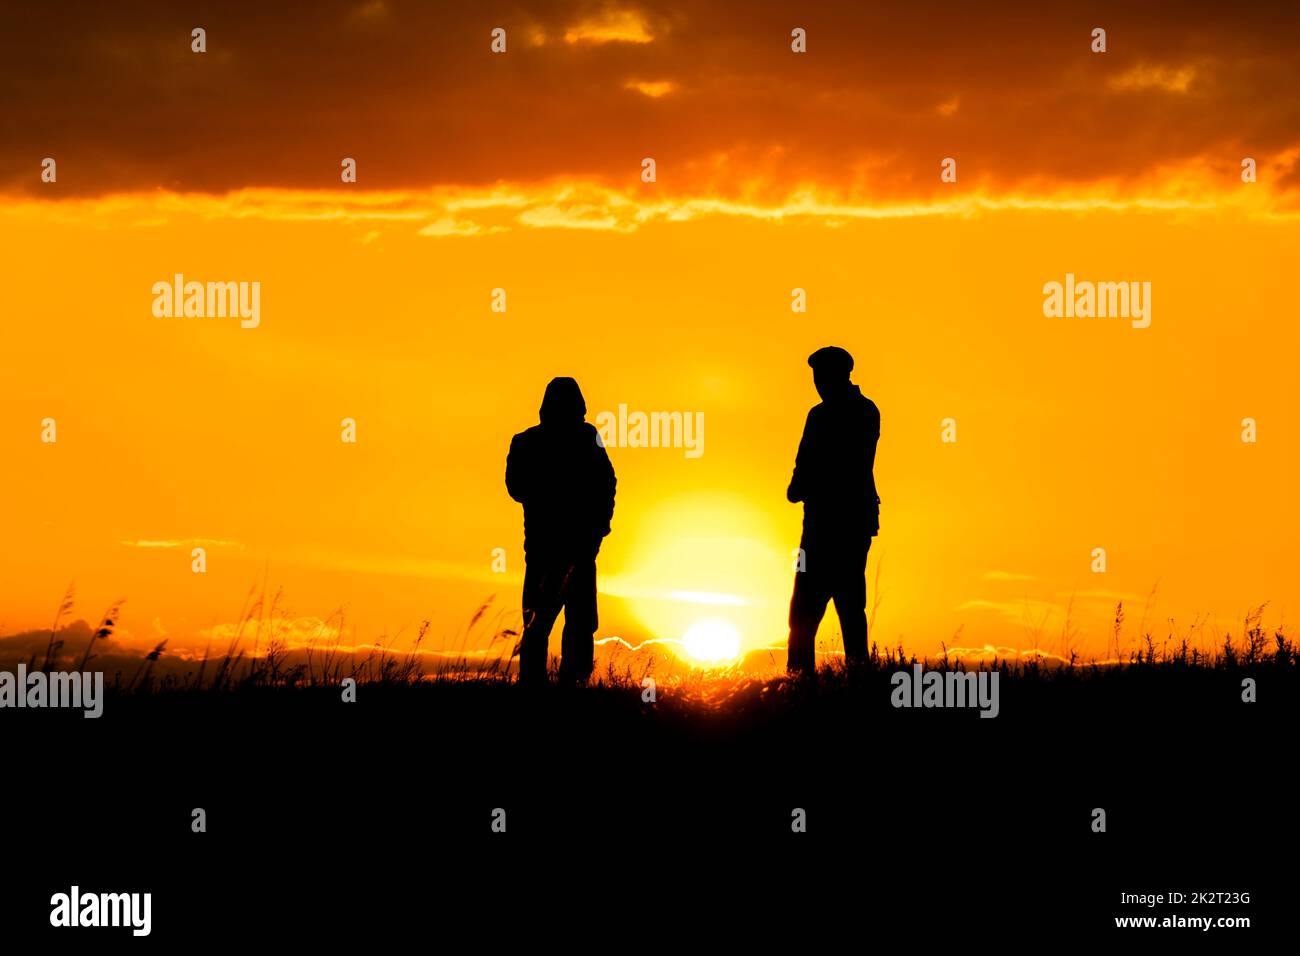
(525, 172)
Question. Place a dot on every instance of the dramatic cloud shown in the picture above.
(651, 88)
(1144, 77)
(586, 90)
(610, 26)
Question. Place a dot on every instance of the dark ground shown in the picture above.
(635, 824)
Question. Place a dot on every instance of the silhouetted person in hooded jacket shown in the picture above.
(841, 511)
(559, 471)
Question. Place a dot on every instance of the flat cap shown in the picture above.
(832, 358)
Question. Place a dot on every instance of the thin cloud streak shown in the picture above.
(459, 213)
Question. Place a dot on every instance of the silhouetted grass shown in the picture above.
(260, 661)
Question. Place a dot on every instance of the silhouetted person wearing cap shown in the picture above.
(559, 471)
(841, 511)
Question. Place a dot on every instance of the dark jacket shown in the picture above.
(833, 469)
(561, 474)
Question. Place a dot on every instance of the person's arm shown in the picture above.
(605, 486)
(875, 441)
(517, 471)
(798, 491)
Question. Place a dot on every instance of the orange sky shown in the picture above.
(1072, 434)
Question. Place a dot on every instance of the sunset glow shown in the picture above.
(712, 641)
(669, 295)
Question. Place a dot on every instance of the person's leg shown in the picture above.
(542, 582)
(850, 595)
(577, 648)
(807, 607)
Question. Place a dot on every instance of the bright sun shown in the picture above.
(712, 641)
